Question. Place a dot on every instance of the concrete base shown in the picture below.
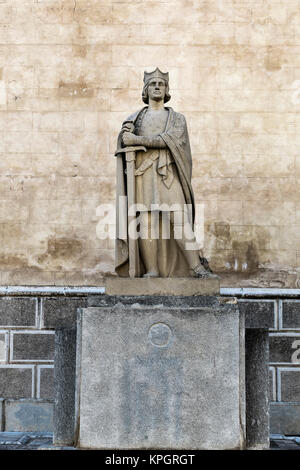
(161, 286)
(160, 377)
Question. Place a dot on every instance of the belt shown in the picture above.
(164, 165)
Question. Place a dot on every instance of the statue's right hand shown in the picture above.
(129, 138)
(128, 127)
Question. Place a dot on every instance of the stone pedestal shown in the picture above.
(162, 286)
(166, 372)
(161, 373)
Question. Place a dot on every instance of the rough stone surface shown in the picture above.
(281, 348)
(291, 314)
(33, 346)
(272, 385)
(158, 300)
(65, 378)
(19, 311)
(257, 399)
(1, 415)
(151, 300)
(161, 286)
(3, 347)
(290, 385)
(28, 415)
(16, 381)
(46, 382)
(285, 419)
(61, 312)
(258, 314)
(146, 375)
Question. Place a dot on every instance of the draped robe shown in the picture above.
(171, 260)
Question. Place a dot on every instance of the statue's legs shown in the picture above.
(148, 246)
(183, 234)
(185, 237)
(186, 240)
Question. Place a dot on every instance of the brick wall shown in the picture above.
(27, 330)
(284, 337)
(27, 326)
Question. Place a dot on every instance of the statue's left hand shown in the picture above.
(130, 139)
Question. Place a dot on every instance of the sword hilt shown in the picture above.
(137, 148)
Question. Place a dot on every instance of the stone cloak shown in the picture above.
(177, 140)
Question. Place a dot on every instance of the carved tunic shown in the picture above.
(156, 176)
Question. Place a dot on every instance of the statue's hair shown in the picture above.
(145, 96)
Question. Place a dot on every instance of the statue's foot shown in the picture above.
(200, 272)
(151, 274)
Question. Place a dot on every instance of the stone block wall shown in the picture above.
(285, 353)
(71, 71)
(282, 317)
(27, 330)
(285, 369)
(27, 327)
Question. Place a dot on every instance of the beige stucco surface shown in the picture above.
(71, 71)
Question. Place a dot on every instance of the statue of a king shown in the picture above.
(164, 208)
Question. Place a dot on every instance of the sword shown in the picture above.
(130, 156)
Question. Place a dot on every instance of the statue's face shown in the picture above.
(156, 89)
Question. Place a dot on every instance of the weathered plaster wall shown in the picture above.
(70, 71)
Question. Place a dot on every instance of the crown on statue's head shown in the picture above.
(156, 74)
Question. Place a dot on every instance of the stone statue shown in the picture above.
(154, 169)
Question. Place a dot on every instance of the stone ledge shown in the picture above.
(161, 286)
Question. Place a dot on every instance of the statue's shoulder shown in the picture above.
(134, 116)
(178, 117)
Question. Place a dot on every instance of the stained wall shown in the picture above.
(71, 71)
